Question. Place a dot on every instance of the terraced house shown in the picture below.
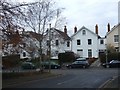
(86, 43)
(112, 37)
(60, 42)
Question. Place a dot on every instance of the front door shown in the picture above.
(80, 52)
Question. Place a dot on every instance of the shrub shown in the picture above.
(66, 57)
(91, 60)
(110, 56)
(10, 61)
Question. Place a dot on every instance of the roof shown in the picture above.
(14, 38)
(64, 35)
(83, 27)
(35, 35)
(113, 29)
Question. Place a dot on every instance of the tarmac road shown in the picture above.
(72, 78)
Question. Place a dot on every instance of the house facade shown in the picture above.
(24, 44)
(60, 42)
(86, 43)
(112, 37)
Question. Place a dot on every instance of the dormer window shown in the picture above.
(84, 32)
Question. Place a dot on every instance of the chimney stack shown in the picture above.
(108, 27)
(65, 30)
(96, 29)
(75, 29)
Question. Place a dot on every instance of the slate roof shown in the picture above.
(64, 35)
(35, 35)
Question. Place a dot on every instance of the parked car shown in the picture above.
(112, 64)
(79, 64)
(53, 65)
(28, 65)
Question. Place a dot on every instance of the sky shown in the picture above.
(88, 13)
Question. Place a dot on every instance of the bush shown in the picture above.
(10, 61)
(91, 60)
(110, 56)
(20, 74)
(66, 57)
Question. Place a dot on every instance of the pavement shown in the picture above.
(112, 83)
(96, 63)
(12, 81)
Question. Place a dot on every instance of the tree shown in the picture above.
(110, 48)
(59, 21)
(38, 16)
(9, 22)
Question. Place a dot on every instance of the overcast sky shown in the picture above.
(88, 13)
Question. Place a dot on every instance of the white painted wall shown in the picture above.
(102, 46)
(62, 47)
(84, 43)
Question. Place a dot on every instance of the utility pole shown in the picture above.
(49, 33)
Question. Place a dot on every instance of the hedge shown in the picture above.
(110, 56)
(66, 57)
(10, 61)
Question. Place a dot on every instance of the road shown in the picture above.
(72, 78)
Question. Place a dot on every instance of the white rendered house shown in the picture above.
(85, 43)
(60, 42)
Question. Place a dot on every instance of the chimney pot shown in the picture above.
(75, 29)
(65, 30)
(96, 29)
(108, 27)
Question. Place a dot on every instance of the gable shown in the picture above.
(114, 29)
(84, 30)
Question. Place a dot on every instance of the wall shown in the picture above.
(84, 43)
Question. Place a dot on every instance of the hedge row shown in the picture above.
(110, 56)
(66, 57)
(21, 74)
(10, 61)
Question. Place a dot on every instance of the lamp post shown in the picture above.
(107, 57)
(49, 33)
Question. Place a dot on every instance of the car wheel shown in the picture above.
(107, 66)
(55, 67)
(70, 67)
(84, 66)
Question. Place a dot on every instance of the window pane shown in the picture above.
(78, 42)
(57, 43)
(101, 41)
(89, 53)
(47, 42)
(68, 44)
(83, 32)
(89, 41)
(116, 38)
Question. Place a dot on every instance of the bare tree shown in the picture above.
(10, 22)
(9, 13)
(59, 21)
(38, 16)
